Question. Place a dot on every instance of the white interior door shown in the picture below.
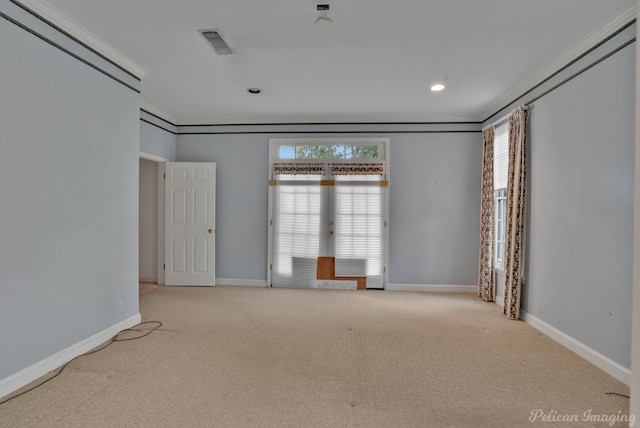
(190, 223)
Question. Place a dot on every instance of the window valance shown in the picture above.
(357, 169)
(299, 169)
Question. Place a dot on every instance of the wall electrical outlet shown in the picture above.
(119, 306)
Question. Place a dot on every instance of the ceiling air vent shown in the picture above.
(216, 41)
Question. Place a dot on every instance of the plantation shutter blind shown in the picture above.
(501, 156)
(358, 231)
(358, 220)
(297, 225)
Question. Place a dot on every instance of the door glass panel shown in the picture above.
(297, 235)
(358, 230)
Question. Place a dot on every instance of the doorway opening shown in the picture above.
(150, 222)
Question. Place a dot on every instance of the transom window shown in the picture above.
(324, 151)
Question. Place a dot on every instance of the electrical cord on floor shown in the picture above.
(115, 338)
(615, 393)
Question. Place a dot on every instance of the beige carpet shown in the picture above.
(250, 357)
(146, 287)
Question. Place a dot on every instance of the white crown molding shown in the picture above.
(316, 119)
(58, 18)
(158, 112)
(522, 88)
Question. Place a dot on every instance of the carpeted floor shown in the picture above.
(146, 287)
(252, 357)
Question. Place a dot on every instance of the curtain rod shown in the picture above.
(505, 117)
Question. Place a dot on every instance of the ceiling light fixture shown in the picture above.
(323, 8)
(254, 90)
(437, 87)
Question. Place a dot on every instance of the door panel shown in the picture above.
(179, 254)
(201, 254)
(358, 224)
(179, 206)
(190, 223)
(297, 234)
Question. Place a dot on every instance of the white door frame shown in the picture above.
(161, 171)
(160, 232)
(276, 142)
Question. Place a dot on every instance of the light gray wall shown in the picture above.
(148, 221)
(634, 405)
(434, 202)
(69, 192)
(156, 138)
(581, 216)
(499, 285)
(578, 260)
(434, 208)
(241, 199)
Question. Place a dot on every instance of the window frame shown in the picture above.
(500, 177)
(382, 157)
(276, 143)
(500, 226)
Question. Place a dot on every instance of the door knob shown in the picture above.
(331, 232)
(210, 230)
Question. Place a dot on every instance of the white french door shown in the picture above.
(297, 228)
(332, 208)
(190, 223)
(356, 233)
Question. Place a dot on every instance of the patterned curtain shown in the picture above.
(515, 215)
(486, 278)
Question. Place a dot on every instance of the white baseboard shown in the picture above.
(500, 301)
(438, 288)
(148, 279)
(603, 362)
(242, 282)
(33, 372)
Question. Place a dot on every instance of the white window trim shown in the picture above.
(499, 266)
(501, 161)
(276, 143)
(274, 150)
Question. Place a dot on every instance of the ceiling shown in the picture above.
(374, 63)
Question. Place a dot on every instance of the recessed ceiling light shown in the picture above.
(437, 87)
(254, 90)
